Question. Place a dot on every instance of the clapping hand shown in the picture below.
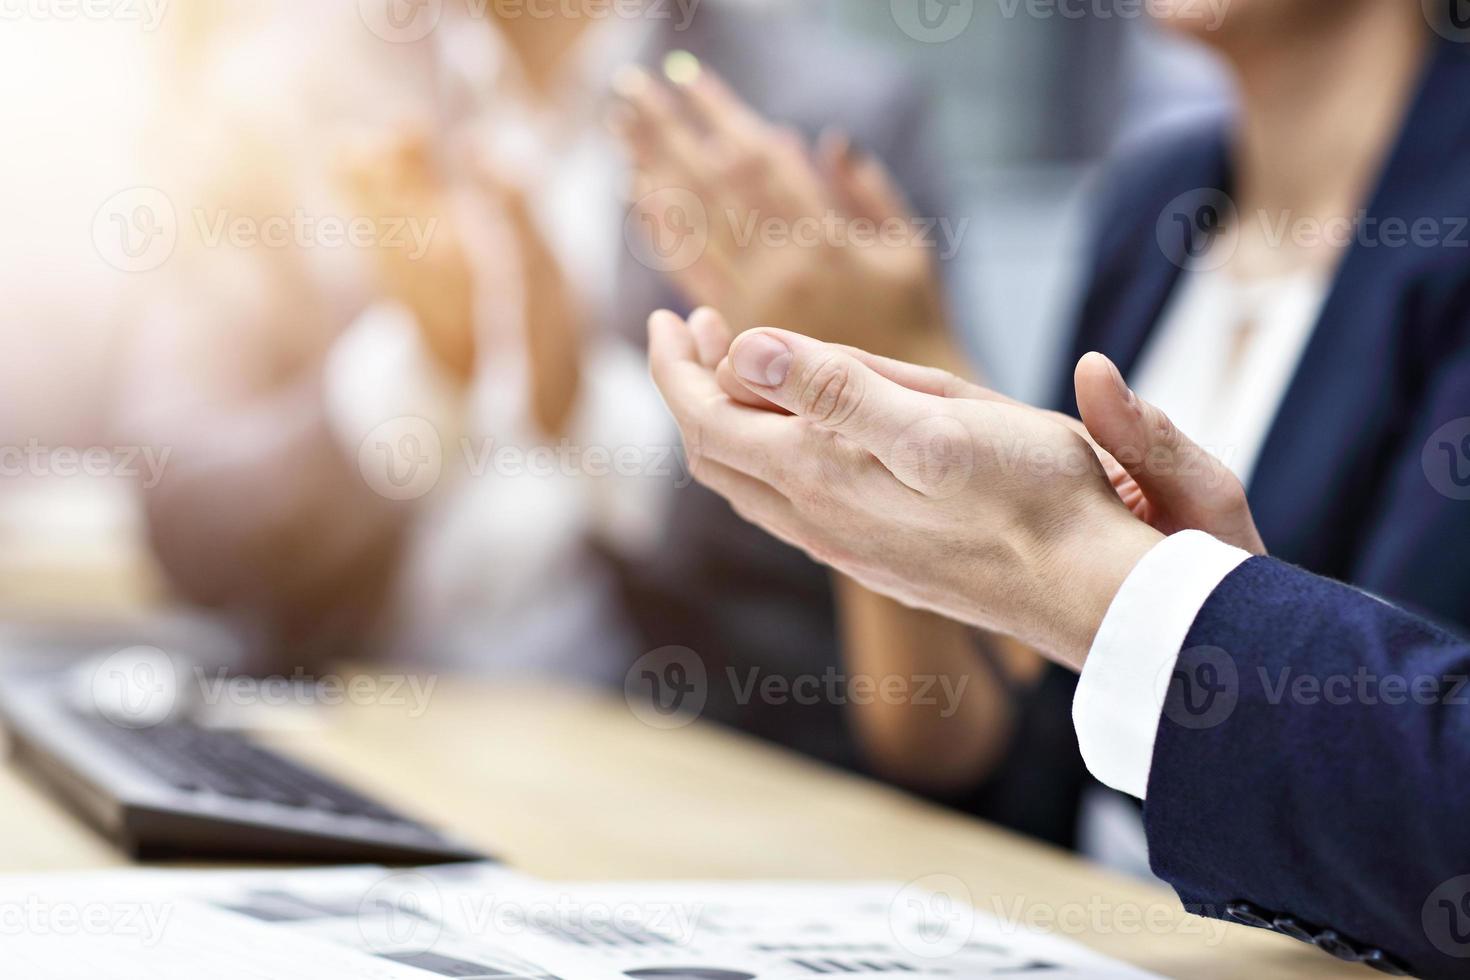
(393, 177)
(939, 493)
(824, 239)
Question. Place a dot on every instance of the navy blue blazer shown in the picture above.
(1309, 772)
(1354, 481)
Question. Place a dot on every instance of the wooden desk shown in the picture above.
(572, 786)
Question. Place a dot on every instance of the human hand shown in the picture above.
(392, 177)
(826, 242)
(1163, 477)
(978, 508)
(1173, 484)
(478, 216)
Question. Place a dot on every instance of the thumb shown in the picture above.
(1185, 486)
(831, 388)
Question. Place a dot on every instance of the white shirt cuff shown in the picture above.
(1120, 695)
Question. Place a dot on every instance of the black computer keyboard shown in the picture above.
(177, 789)
(201, 760)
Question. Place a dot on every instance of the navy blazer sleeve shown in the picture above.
(1309, 773)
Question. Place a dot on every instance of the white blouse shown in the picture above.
(1224, 355)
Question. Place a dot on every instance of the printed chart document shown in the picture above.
(484, 922)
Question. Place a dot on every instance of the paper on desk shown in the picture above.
(483, 921)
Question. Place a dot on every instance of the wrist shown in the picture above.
(1078, 570)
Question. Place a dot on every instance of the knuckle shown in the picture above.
(831, 392)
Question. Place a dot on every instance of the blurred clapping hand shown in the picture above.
(822, 239)
(392, 176)
(484, 256)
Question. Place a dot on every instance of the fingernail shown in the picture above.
(681, 68)
(762, 360)
(1128, 397)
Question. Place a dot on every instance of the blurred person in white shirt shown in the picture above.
(421, 447)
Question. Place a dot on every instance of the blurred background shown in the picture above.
(102, 99)
(324, 325)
